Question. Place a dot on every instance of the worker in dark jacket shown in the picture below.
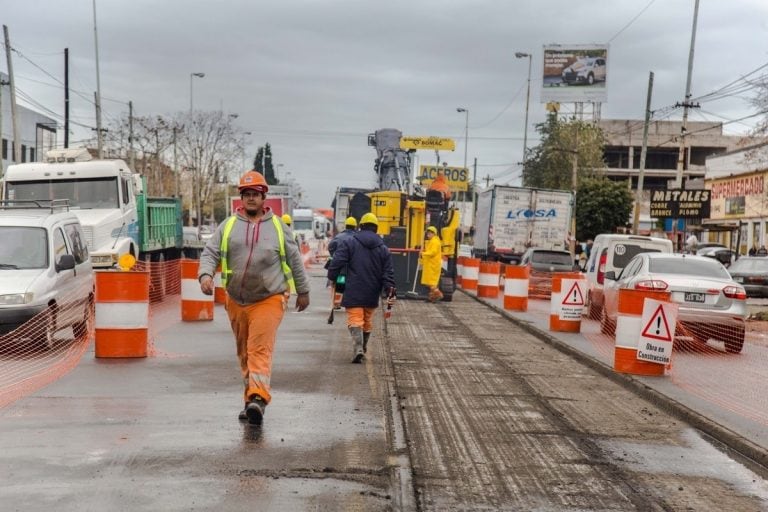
(350, 226)
(369, 272)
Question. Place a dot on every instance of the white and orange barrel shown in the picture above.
(488, 279)
(516, 287)
(567, 301)
(195, 305)
(219, 292)
(628, 329)
(471, 273)
(122, 313)
(459, 269)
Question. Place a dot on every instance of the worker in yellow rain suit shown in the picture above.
(431, 264)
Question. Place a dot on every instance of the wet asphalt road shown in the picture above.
(456, 409)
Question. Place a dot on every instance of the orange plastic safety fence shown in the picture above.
(49, 345)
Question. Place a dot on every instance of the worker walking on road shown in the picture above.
(370, 273)
(432, 264)
(350, 226)
(289, 222)
(260, 266)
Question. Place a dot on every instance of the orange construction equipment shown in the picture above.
(195, 305)
(122, 313)
(567, 302)
(516, 287)
(488, 279)
(628, 328)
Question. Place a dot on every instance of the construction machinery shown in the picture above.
(405, 209)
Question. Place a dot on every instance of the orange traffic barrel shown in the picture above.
(122, 313)
(471, 273)
(567, 301)
(219, 292)
(488, 279)
(459, 269)
(628, 329)
(195, 305)
(516, 287)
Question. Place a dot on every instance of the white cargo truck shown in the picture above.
(509, 220)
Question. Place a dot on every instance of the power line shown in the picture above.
(632, 20)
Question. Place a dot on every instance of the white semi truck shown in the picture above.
(109, 200)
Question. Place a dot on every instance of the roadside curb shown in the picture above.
(752, 455)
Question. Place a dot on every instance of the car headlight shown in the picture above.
(13, 299)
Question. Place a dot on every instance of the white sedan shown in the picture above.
(711, 304)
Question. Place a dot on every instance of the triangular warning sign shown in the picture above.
(658, 327)
(574, 296)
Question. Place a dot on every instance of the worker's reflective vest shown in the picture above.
(225, 270)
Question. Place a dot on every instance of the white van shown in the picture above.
(613, 252)
(45, 271)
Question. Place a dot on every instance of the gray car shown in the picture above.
(752, 274)
(711, 304)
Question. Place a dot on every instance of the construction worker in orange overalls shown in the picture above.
(370, 273)
(432, 264)
(260, 265)
(350, 226)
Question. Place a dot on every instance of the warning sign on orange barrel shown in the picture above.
(657, 331)
(572, 299)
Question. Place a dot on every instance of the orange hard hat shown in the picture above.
(254, 180)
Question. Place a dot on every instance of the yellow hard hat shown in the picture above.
(432, 229)
(287, 219)
(369, 218)
(351, 221)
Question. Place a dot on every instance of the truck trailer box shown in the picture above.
(511, 219)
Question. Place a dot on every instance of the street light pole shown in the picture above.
(522, 55)
(466, 143)
(191, 77)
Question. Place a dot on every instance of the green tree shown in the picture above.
(551, 163)
(263, 164)
(602, 205)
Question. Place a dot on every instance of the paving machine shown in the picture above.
(404, 210)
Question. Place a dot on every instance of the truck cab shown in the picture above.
(106, 196)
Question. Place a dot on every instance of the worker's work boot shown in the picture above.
(254, 411)
(357, 344)
(366, 337)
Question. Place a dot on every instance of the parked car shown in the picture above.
(718, 252)
(711, 303)
(752, 273)
(611, 252)
(45, 270)
(586, 70)
(542, 263)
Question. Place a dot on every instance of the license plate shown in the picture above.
(694, 297)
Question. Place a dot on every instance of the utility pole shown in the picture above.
(99, 135)
(2, 84)
(12, 84)
(574, 185)
(488, 180)
(176, 161)
(66, 98)
(131, 155)
(643, 152)
(474, 194)
(686, 103)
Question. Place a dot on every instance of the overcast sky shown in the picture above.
(314, 77)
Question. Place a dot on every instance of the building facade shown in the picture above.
(36, 131)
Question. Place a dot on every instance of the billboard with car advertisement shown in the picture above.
(575, 73)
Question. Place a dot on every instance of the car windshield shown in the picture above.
(552, 258)
(302, 224)
(688, 267)
(82, 193)
(750, 265)
(23, 247)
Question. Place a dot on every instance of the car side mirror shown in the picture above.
(610, 275)
(65, 262)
